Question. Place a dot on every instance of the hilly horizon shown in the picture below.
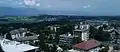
(9, 11)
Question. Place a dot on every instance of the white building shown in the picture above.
(82, 31)
(53, 28)
(13, 46)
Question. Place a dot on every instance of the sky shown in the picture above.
(70, 7)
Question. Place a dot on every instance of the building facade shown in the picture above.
(66, 39)
(82, 31)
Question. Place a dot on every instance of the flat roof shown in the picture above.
(13, 46)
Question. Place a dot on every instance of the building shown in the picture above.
(54, 28)
(108, 29)
(14, 46)
(86, 46)
(18, 32)
(24, 36)
(66, 39)
(82, 31)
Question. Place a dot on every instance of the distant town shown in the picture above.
(59, 33)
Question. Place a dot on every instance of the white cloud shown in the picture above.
(32, 2)
(29, 2)
(87, 6)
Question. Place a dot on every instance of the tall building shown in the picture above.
(82, 31)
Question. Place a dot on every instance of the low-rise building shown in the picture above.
(66, 39)
(87, 46)
(54, 28)
(24, 36)
(108, 29)
(14, 46)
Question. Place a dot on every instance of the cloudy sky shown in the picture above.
(75, 7)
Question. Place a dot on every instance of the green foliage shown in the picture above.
(99, 34)
(42, 41)
(46, 49)
(57, 38)
(103, 36)
(104, 26)
(105, 49)
(76, 40)
(92, 31)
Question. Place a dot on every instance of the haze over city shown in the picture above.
(59, 26)
(60, 7)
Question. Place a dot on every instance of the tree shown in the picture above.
(57, 38)
(4, 30)
(99, 34)
(105, 49)
(46, 49)
(102, 36)
(104, 26)
(9, 36)
(93, 32)
(76, 40)
(54, 48)
(42, 41)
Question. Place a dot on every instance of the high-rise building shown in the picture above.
(82, 31)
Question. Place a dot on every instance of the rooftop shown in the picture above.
(87, 45)
(80, 30)
(30, 38)
(16, 31)
(108, 28)
(67, 35)
(13, 46)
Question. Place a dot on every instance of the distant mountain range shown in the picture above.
(9, 11)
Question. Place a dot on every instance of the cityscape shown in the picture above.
(60, 33)
(59, 26)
